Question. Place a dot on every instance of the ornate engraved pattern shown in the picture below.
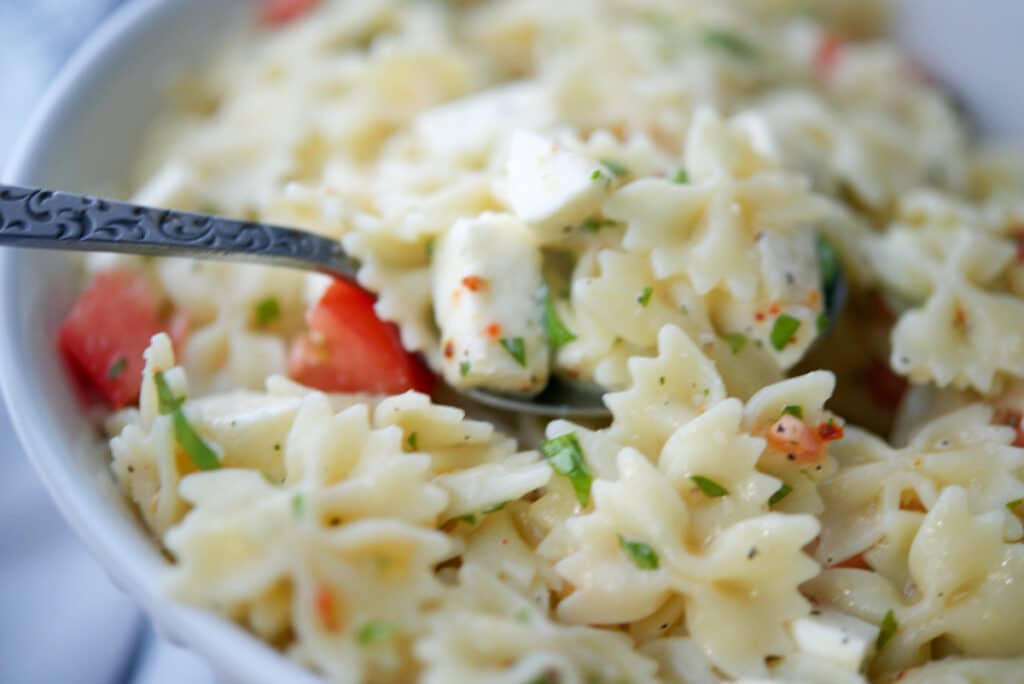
(56, 220)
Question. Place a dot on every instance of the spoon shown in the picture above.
(43, 219)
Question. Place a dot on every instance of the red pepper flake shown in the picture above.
(775, 309)
(449, 349)
(504, 541)
(885, 388)
(474, 283)
(960, 319)
(917, 462)
(758, 316)
(830, 49)
(829, 431)
(813, 298)
(280, 12)
(493, 331)
(327, 609)
(901, 675)
(1010, 418)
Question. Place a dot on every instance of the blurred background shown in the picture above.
(62, 620)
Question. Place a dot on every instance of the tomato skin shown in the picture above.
(103, 337)
(279, 12)
(349, 349)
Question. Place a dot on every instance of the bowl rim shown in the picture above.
(231, 651)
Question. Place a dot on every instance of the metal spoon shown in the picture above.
(43, 219)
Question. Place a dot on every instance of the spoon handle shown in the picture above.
(43, 219)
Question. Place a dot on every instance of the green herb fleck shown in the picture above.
(558, 334)
(707, 391)
(780, 494)
(642, 555)
(516, 348)
(794, 410)
(429, 247)
(828, 263)
(617, 169)
(730, 42)
(496, 507)
(523, 615)
(681, 177)
(597, 175)
(645, 297)
(116, 368)
(277, 446)
(469, 518)
(298, 506)
(464, 368)
(375, 632)
(821, 322)
(783, 330)
(267, 311)
(412, 439)
(887, 630)
(737, 341)
(661, 380)
(709, 486)
(565, 456)
(1013, 505)
(199, 451)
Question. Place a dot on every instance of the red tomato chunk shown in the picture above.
(349, 349)
(106, 332)
(279, 12)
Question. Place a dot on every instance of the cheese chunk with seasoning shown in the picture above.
(837, 637)
(487, 285)
(550, 187)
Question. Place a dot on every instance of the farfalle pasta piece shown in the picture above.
(488, 632)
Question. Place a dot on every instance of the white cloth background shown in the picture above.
(61, 620)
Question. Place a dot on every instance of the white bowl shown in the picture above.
(84, 139)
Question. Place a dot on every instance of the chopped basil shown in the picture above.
(496, 507)
(523, 615)
(645, 297)
(592, 225)
(464, 368)
(736, 341)
(794, 410)
(558, 334)
(1013, 505)
(267, 311)
(469, 518)
(565, 456)
(199, 451)
(780, 494)
(729, 42)
(412, 439)
(783, 330)
(681, 177)
(375, 632)
(617, 169)
(298, 505)
(887, 630)
(709, 487)
(116, 368)
(597, 175)
(642, 555)
(822, 322)
(516, 348)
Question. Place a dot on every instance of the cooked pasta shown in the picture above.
(657, 198)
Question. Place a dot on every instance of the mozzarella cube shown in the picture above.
(467, 128)
(551, 187)
(487, 285)
(837, 637)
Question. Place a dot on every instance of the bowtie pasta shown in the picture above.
(660, 199)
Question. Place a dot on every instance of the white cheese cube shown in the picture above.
(487, 285)
(551, 187)
(467, 128)
(840, 638)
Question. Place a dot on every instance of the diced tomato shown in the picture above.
(830, 431)
(278, 12)
(885, 388)
(106, 332)
(327, 609)
(349, 349)
(795, 438)
(827, 55)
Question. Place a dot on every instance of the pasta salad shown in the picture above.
(658, 198)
